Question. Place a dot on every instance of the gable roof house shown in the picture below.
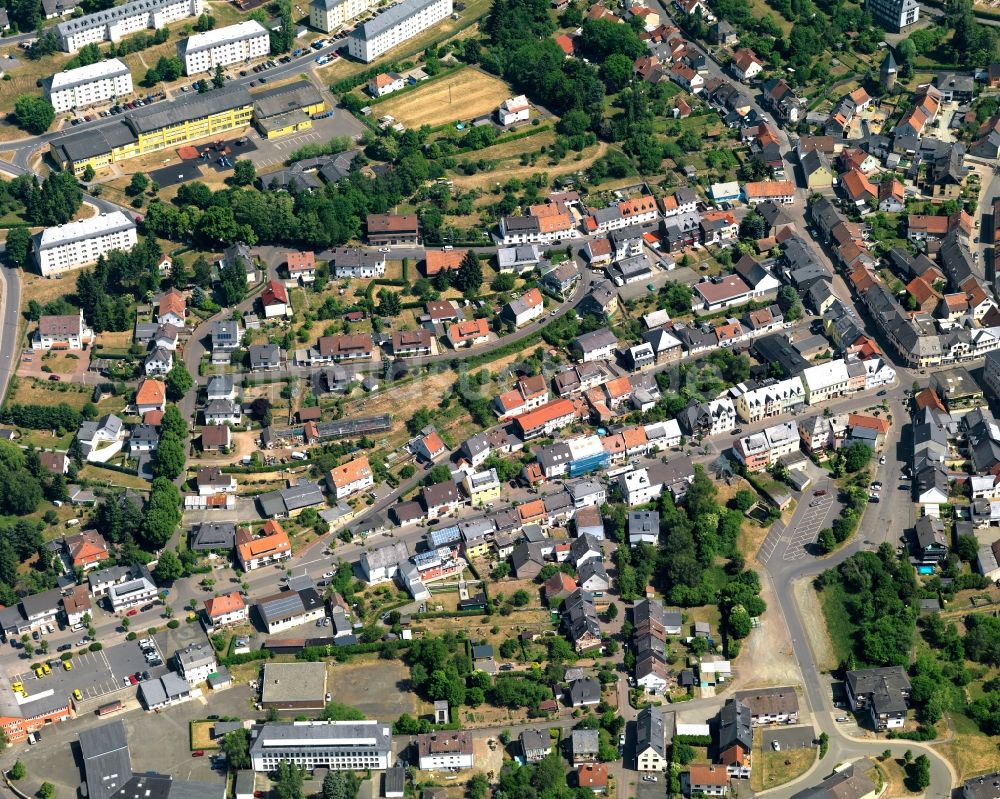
(735, 737)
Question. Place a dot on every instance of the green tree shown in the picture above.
(168, 568)
(340, 785)
(218, 81)
(33, 114)
(389, 303)
(138, 184)
(616, 72)
(244, 172)
(967, 548)
(178, 381)
(88, 173)
(17, 771)
(18, 245)
(469, 276)
(236, 745)
(520, 598)
(439, 474)
(288, 781)
(826, 540)
(744, 499)
(172, 422)
(477, 787)
(856, 457)
(676, 298)
(170, 457)
(46, 791)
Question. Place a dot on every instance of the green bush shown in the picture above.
(173, 624)
(95, 646)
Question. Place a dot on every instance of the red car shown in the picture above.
(198, 753)
(132, 612)
(820, 493)
(132, 680)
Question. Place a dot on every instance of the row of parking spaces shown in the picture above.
(94, 674)
(271, 154)
(807, 527)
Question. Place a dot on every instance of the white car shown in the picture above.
(327, 575)
(776, 746)
(649, 778)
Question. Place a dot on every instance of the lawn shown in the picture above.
(487, 180)
(462, 95)
(758, 8)
(772, 769)
(109, 477)
(30, 391)
(838, 621)
(970, 752)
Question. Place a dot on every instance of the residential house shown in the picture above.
(270, 545)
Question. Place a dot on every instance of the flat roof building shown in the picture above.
(294, 686)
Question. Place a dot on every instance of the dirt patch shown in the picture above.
(379, 689)
(819, 639)
(244, 443)
(766, 657)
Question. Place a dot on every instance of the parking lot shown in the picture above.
(94, 674)
(798, 737)
(271, 154)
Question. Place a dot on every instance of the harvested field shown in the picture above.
(463, 95)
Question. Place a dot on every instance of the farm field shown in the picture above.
(462, 95)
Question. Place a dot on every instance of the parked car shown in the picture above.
(198, 753)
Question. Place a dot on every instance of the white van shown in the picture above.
(298, 456)
(72, 522)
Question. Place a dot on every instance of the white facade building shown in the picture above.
(114, 23)
(59, 249)
(514, 109)
(327, 15)
(338, 745)
(243, 41)
(394, 26)
(85, 86)
(825, 381)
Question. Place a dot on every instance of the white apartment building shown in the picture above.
(767, 401)
(328, 15)
(445, 750)
(394, 26)
(825, 381)
(112, 24)
(637, 488)
(338, 745)
(85, 86)
(243, 41)
(64, 247)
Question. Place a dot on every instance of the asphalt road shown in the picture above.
(10, 307)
